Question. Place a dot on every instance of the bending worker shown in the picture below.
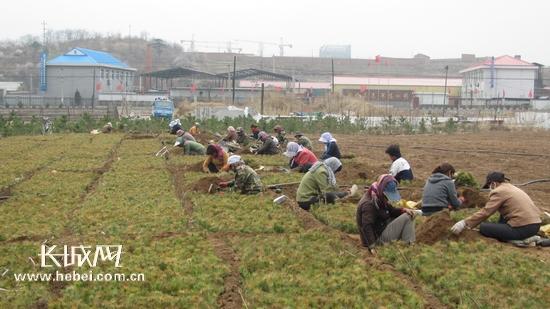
(400, 168)
(378, 221)
(255, 131)
(191, 148)
(519, 217)
(302, 140)
(216, 160)
(175, 126)
(184, 136)
(280, 134)
(440, 191)
(195, 129)
(331, 148)
(319, 183)
(242, 138)
(301, 159)
(246, 180)
(269, 145)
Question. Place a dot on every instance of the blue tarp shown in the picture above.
(86, 56)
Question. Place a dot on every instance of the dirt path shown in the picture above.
(106, 167)
(231, 297)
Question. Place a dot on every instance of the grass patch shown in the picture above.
(314, 270)
(340, 216)
(469, 275)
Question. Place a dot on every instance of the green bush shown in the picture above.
(466, 179)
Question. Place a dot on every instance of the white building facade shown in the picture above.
(499, 79)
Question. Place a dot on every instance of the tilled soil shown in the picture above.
(473, 198)
(437, 228)
(519, 154)
(205, 138)
(207, 184)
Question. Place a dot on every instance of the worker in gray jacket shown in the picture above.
(440, 191)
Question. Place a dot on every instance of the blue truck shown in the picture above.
(163, 108)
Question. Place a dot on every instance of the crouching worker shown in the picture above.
(216, 160)
(331, 148)
(440, 191)
(175, 126)
(378, 221)
(108, 128)
(195, 129)
(302, 140)
(519, 217)
(400, 168)
(319, 184)
(301, 159)
(269, 145)
(242, 138)
(191, 148)
(246, 179)
(184, 136)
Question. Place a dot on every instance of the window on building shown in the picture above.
(102, 74)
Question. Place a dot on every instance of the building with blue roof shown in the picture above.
(91, 72)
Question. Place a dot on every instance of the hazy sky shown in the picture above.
(438, 28)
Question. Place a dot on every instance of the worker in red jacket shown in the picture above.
(301, 159)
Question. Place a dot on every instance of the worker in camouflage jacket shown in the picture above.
(242, 138)
(281, 135)
(246, 180)
(302, 140)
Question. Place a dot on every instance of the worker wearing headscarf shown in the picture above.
(216, 159)
(331, 148)
(378, 221)
(231, 135)
(269, 145)
(108, 128)
(301, 159)
(175, 126)
(319, 183)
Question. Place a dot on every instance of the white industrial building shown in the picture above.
(504, 79)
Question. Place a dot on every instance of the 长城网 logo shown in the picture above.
(78, 256)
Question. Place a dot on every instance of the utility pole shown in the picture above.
(445, 91)
(233, 82)
(262, 101)
(332, 61)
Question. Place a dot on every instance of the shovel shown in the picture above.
(162, 151)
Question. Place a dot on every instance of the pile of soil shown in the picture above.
(353, 171)
(474, 198)
(437, 227)
(205, 137)
(203, 184)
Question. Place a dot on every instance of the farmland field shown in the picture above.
(197, 249)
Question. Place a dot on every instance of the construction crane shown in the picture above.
(261, 45)
(208, 44)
